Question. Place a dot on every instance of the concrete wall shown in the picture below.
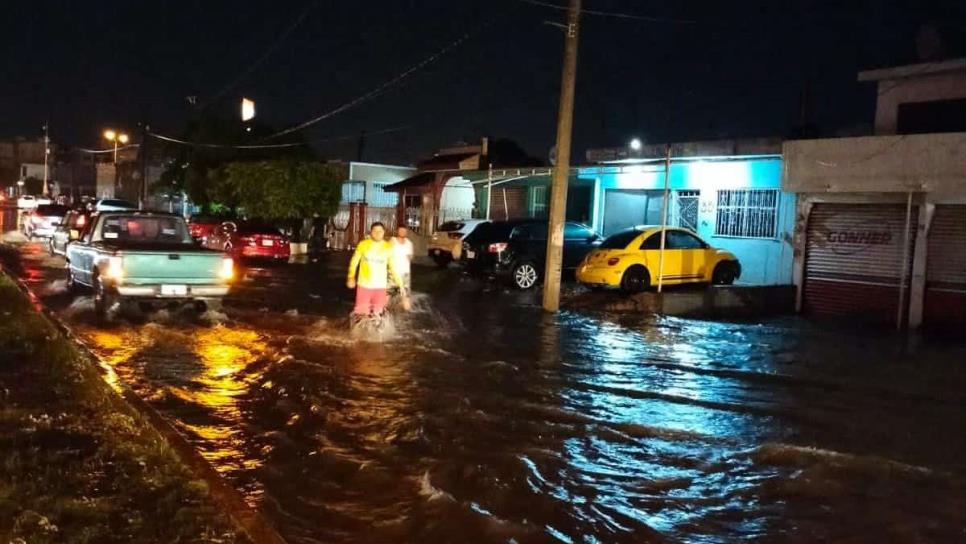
(923, 88)
(382, 174)
(765, 261)
(914, 162)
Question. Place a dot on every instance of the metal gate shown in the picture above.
(945, 297)
(854, 261)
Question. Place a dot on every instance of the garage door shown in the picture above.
(627, 208)
(945, 301)
(853, 261)
(508, 203)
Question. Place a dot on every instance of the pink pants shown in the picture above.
(369, 301)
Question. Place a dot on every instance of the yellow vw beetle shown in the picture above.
(630, 260)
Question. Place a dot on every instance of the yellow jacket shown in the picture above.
(373, 260)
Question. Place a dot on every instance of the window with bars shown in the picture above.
(747, 213)
(686, 209)
(382, 198)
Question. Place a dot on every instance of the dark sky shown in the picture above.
(738, 71)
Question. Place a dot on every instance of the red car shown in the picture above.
(201, 226)
(248, 239)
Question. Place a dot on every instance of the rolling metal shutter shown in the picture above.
(853, 261)
(508, 203)
(945, 297)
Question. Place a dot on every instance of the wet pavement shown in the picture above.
(481, 419)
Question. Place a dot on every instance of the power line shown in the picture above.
(111, 150)
(618, 15)
(222, 146)
(385, 86)
(268, 52)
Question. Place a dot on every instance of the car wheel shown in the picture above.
(525, 275)
(635, 280)
(443, 259)
(103, 299)
(724, 274)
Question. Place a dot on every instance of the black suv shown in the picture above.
(517, 250)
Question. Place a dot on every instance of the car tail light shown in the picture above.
(497, 248)
(612, 261)
(115, 267)
(250, 241)
(227, 269)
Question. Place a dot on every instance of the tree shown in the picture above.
(194, 169)
(287, 189)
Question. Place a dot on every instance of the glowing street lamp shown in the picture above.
(112, 136)
(635, 144)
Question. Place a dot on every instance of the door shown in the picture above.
(508, 203)
(628, 208)
(685, 257)
(945, 297)
(855, 261)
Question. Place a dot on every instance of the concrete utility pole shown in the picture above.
(46, 191)
(561, 171)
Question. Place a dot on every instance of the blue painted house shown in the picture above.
(733, 202)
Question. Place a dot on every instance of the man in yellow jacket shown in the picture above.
(373, 262)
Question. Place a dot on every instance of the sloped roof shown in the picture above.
(420, 179)
(445, 162)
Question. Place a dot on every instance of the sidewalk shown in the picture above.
(76, 463)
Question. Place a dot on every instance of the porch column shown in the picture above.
(917, 283)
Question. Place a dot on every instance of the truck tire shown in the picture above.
(635, 280)
(71, 282)
(104, 299)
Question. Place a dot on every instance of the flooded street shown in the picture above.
(482, 419)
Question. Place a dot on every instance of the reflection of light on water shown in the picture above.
(113, 349)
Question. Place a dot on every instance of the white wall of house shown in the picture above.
(366, 181)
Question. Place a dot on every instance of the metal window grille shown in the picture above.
(686, 209)
(747, 213)
(381, 198)
(538, 201)
(353, 191)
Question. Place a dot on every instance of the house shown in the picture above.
(728, 192)
(365, 200)
(880, 233)
(437, 192)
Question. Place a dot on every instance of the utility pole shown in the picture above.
(144, 164)
(46, 191)
(561, 170)
(664, 207)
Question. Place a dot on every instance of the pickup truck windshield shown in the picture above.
(146, 229)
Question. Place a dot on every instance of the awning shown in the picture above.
(419, 180)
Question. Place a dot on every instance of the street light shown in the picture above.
(115, 137)
(635, 144)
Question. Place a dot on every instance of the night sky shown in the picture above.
(737, 70)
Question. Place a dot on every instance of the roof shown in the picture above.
(445, 162)
(419, 180)
(913, 70)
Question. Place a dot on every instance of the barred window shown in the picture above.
(538, 200)
(747, 213)
(382, 198)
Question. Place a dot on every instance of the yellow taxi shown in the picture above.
(630, 259)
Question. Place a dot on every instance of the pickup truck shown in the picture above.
(145, 257)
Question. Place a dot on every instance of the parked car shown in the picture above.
(249, 239)
(517, 250)
(67, 231)
(43, 220)
(446, 244)
(145, 257)
(630, 260)
(113, 205)
(201, 226)
(27, 202)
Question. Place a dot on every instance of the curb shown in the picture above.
(249, 520)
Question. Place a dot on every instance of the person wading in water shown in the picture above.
(372, 261)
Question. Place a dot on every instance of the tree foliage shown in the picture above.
(281, 188)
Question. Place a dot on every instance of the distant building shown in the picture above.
(881, 221)
(18, 152)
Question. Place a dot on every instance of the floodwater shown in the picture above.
(481, 419)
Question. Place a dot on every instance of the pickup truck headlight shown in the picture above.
(227, 269)
(115, 268)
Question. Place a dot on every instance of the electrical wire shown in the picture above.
(222, 146)
(110, 150)
(631, 16)
(385, 86)
(268, 52)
